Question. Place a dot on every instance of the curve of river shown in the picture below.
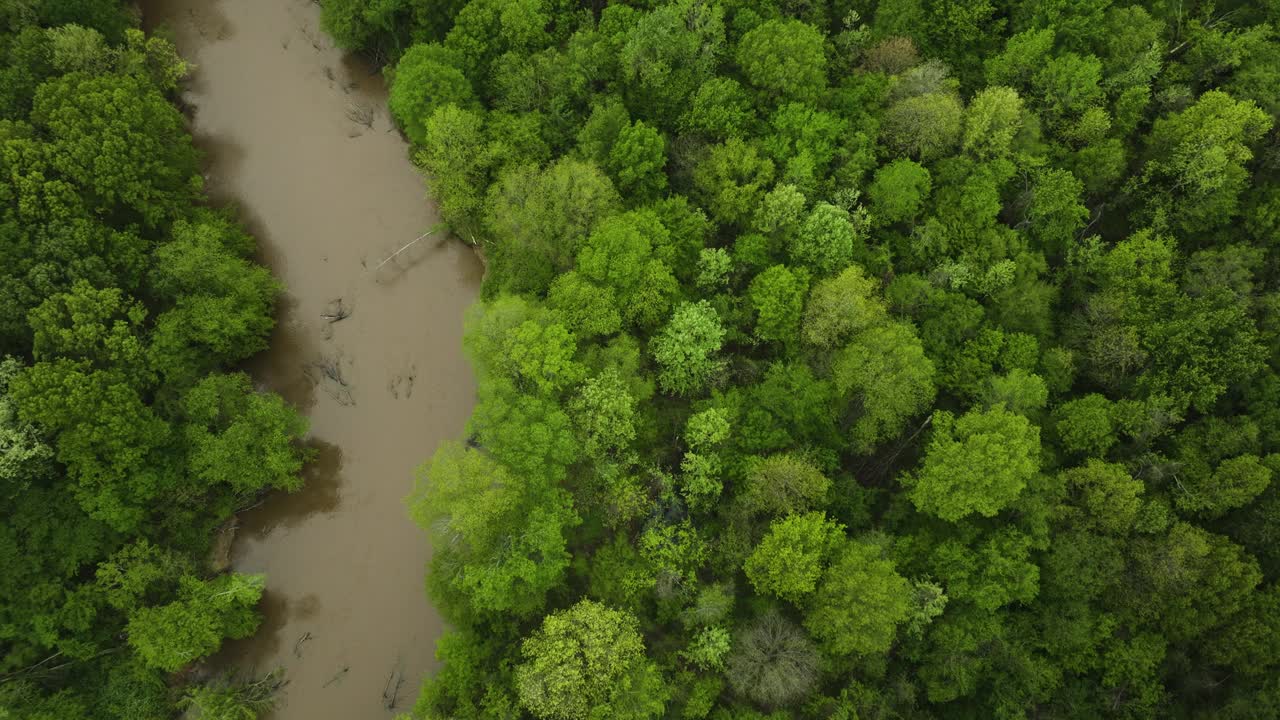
(297, 136)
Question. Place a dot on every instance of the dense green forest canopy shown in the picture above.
(854, 359)
(125, 436)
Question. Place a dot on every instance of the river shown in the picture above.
(297, 136)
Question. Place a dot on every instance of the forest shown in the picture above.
(853, 359)
(127, 436)
(837, 360)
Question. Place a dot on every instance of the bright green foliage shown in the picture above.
(535, 234)
(860, 602)
(783, 485)
(977, 463)
(721, 108)
(635, 162)
(170, 636)
(709, 648)
(791, 557)
(826, 241)
(455, 153)
(733, 180)
(499, 538)
(1084, 425)
(1198, 156)
(588, 662)
(784, 59)
(1018, 391)
(667, 54)
(218, 305)
(899, 191)
(991, 123)
(924, 127)
(107, 437)
(887, 375)
(587, 310)
(1233, 484)
(240, 437)
(841, 306)
(426, 78)
(778, 295)
(751, 261)
(622, 255)
(604, 413)
(686, 349)
(702, 464)
(121, 141)
(1107, 496)
(994, 574)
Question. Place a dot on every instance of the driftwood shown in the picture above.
(297, 646)
(331, 370)
(410, 244)
(361, 114)
(337, 676)
(391, 691)
(336, 311)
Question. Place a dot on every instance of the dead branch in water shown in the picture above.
(297, 646)
(338, 676)
(390, 692)
(336, 310)
(393, 255)
(360, 114)
(331, 368)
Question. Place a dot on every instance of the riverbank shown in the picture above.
(296, 135)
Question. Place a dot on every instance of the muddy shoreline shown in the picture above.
(296, 136)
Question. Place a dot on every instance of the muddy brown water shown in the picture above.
(296, 134)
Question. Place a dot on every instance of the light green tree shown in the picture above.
(977, 463)
(588, 663)
(860, 602)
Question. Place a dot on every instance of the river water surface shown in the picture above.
(297, 136)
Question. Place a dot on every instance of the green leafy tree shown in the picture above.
(784, 59)
(636, 162)
(588, 662)
(169, 637)
(789, 560)
(827, 240)
(499, 538)
(899, 191)
(784, 484)
(538, 220)
(842, 306)
(1198, 157)
(885, 373)
(455, 152)
(667, 54)
(246, 439)
(1108, 496)
(427, 77)
(859, 603)
(119, 141)
(1234, 483)
(778, 295)
(925, 127)
(686, 349)
(733, 180)
(977, 463)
